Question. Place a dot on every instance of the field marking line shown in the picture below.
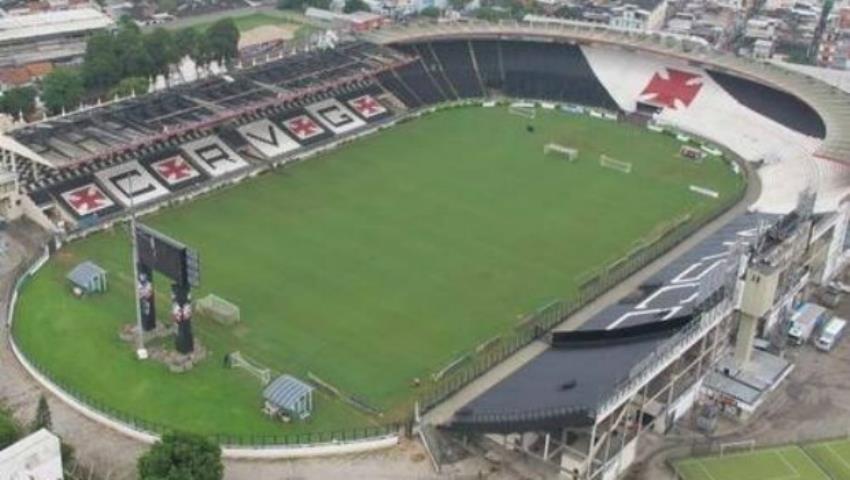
(787, 463)
(817, 465)
(702, 466)
(838, 456)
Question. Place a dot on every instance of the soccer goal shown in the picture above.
(526, 110)
(613, 163)
(737, 447)
(218, 309)
(570, 153)
(236, 360)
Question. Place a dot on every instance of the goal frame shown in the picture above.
(614, 164)
(570, 153)
(525, 110)
(737, 447)
(264, 375)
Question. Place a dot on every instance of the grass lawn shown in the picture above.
(832, 456)
(786, 463)
(252, 20)
(372, 265)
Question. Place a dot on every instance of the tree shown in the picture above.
(101, 66)
(187, 44)
(161, 50)
(322, 4)
(221, 41)
(491, 14)
(432, 12)
(458, 5)
(130, 49)
(42, 416)
(130, 85)
(181, 456)
(18, 100)
(62, 88)
(352, 6)
(290, 4)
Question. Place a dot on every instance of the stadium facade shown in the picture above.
(584, 402)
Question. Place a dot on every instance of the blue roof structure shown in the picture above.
(286, 392)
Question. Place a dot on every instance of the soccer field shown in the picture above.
(832, 456)
(818, 461)
(371, 266)
(786, 463)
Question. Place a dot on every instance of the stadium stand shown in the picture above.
(781, 107)
(416, 78)
(390, 81)
(565, 383)
(263, 112)
(690, 99)
(553, 72)
(456, 61)
(488, 57)
(212, 128)
(435, 69)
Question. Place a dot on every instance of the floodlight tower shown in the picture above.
(141, 351)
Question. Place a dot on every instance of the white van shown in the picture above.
(805, 321)
(831, 334)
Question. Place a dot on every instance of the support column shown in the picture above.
(744, 339)
(146, 305)
(181, 310)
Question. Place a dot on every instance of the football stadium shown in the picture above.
(398, 233)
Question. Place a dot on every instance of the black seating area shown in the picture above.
(488, 56)
(779, 106)
(552, 71)
(414, 76)
(436, 70)
(390, 82)
(456, 60)
(532, 70)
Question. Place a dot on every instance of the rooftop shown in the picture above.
(22, 27)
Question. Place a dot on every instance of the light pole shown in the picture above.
(141, 351)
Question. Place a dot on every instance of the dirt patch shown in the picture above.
(266, 34)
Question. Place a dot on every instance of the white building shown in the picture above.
(640, 15)
(48, 36)
(36, 457)
(761, 28)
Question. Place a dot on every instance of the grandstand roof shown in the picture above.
(22, 27)
(112, 128)
(571, 385)
(832, 104)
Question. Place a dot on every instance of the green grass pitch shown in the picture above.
(371, 265)
(832, 456)
(786, 463)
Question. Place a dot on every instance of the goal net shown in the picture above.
(218, 309)
(236, 360)
(526, 110)
(737, 447)
(570, 153)
(613, 163)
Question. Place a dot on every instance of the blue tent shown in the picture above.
(89, 277)
(289, 395)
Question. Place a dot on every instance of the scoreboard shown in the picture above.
(168, 256)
